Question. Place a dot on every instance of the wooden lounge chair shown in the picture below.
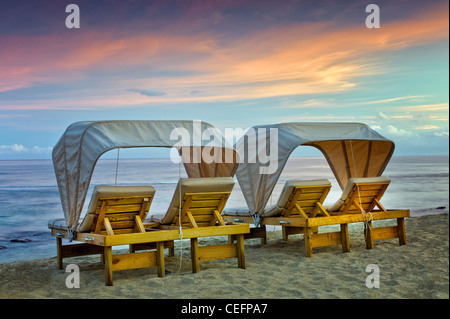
(300, 201)
(116, 219)
(348, 209)
(202, 202)
(114, 211)
(361, 197)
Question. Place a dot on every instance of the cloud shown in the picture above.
(442, 134)
(280, 60)
(384, 116)
(409, 97)
(427, 127)
(394, 131)
(22, 150)
(424, 107)
(148, 92)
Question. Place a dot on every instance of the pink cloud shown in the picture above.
(285, 60)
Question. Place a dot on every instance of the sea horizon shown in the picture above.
(29, 195)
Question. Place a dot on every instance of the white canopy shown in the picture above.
(77, 151)
(351, 149)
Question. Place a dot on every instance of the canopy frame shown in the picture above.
(351, 150)
(76, 153)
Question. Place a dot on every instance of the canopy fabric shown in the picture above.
(77, 151)
(351, 149)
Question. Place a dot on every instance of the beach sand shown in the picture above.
(277, 270)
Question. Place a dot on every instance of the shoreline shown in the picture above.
(278, 270)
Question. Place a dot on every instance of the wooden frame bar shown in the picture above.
(159, 239)
(309, 227)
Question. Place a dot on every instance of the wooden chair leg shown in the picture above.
(108, 266)
(171, 251)
(240, 251)
(264, 235)
(194, 255)
(160, 259)
(59, 252)
(308, 241)
(369, 235)
(401, 231)
(344, 238)
(284, 233)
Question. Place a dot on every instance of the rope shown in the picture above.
(366, 216)
(117, 166)
(179, 216)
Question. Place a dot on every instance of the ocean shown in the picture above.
(29, 194)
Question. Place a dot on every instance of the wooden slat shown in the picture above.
(319, 210)
(80, 250)
(379, 233)
(310, 196)
(354, 218)
(139, 226)
(136, 238)
(301, 211)
(120, 225)
(119, 217)
(121, 200)
(108, 227)
(218, 218)
(184, 208)
(312, 189)
(202, 211)
(145, 206)
(118, 231)
(205, 203)
(191, 219)
(214, 252)
(207, 195)
(292, 203)
(148, 246)
(134, 260)
(369, 192)
(123, 208)
(326, 239)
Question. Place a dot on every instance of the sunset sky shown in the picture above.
(232, 63)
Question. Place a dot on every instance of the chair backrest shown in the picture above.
(304, 200)
(361, 195)
(299, 193)
(202, 201)
(118, 209)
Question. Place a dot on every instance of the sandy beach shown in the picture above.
(277, 270)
